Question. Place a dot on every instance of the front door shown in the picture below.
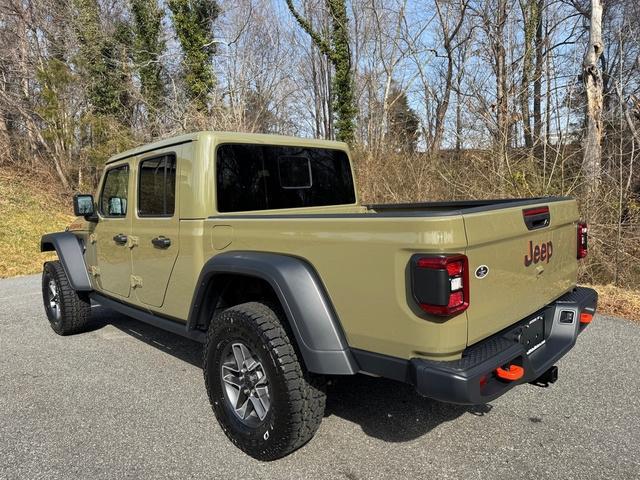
(155, 227)
(113, 255)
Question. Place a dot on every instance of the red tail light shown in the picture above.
(582, 240)
(440, 283)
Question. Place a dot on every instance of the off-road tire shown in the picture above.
(297, 398)
(74, 307)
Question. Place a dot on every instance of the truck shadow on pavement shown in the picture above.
(391, 411)
(184, 349)
(384, 409)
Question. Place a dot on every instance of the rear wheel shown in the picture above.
(264, 400)
(68, 311)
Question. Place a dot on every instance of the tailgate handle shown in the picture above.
(538, 217)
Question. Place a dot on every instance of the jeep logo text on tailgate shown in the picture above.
(539, 253)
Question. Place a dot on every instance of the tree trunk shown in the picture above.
(448, 37)
(592, 78)
(458, 119)
(4, 137)
(317, 102)
(530, 16)
(336, 49)
(537, 80)
(443, 106)
(502, 100)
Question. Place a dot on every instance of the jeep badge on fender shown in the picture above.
(539, 253)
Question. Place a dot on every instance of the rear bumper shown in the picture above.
(472, 379)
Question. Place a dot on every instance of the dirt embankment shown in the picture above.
(30, 206)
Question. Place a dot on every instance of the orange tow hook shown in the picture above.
(513, 373)
(585, 318)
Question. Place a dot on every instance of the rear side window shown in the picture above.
(157, 187)
(263, 177)
(115, 191)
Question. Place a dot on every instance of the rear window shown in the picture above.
(263, 177)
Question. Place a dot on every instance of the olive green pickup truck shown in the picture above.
(258, 246)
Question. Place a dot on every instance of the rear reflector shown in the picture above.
(440, 283)
(586, 318)
(583, 234)
(455, 299)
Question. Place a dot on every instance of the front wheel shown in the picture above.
(264, 400)
(67, 310)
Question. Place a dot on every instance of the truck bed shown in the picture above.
(361, 253)
(457, 207)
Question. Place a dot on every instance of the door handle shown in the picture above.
(120, 239)
(161, 242)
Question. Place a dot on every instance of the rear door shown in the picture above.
(155, 226)
(111, 234)
(515, 268)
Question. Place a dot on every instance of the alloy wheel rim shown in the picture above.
(54, 300)
(245, 384)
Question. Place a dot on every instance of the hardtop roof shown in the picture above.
(227, 137)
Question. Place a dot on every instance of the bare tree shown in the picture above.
(73, 92)
(537, 76)
(531, 16)
(592, 78)
(451, 16)
(336, 49)
(494, 16)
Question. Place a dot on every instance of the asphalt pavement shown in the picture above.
(128, 400)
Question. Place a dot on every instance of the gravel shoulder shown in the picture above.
(128, 400)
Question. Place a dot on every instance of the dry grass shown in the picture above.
(619, 302)
(29, 207)
(393, 177)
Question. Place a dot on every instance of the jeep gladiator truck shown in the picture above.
(257, 246)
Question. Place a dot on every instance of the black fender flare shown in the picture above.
(305, 302)
(71, 255)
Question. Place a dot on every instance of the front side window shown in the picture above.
(157, 187)
(115, 190)
(264, 177)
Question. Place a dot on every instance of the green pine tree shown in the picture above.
(403, 123)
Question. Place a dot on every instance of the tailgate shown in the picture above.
(515, 284)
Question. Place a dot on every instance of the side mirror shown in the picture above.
(83, 206)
